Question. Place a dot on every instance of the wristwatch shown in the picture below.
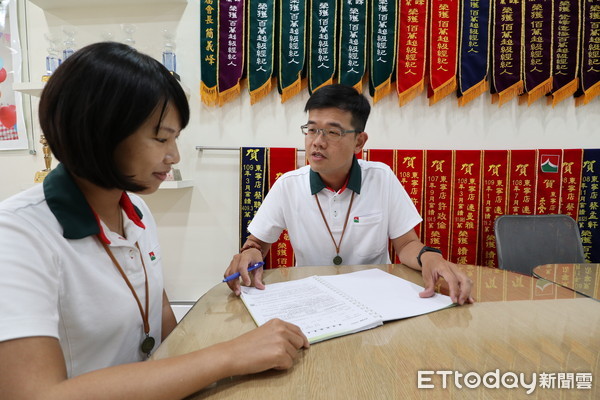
(423, 250)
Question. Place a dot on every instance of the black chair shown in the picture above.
(526, 241)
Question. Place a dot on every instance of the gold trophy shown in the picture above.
(40, 175)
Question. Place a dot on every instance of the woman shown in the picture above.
(82, 299)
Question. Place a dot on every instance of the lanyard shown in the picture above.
(337, 260)
(148, 343)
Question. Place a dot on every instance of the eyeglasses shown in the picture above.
(333, 134)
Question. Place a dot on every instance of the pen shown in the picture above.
(237, 274)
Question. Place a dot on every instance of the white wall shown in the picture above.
(198, 226)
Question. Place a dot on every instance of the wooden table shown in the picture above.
(582, 278)
(519, 324)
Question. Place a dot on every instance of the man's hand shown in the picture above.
(240, 263)
(459, 284)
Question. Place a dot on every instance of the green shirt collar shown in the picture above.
(69, 206)
(354, 179)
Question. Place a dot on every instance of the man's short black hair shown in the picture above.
(345, 98)
(95, 99)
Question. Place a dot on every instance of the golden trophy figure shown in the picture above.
(40, 175)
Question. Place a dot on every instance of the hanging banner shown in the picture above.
(353, 43)
(464, 225)
(589, 75)
(589, 225)
(322, 42)
(387, 157)
(494, 192)
(522, 175)
(473, 50)
(412, 38)
(537, 59)
(384, 25)
(566, 41)
(571, 182)
(291, 47)
(252, 186)
(260, 45)
(506, 29)
(209, 51)
(410, 170)
(443, 49)
(549, 181)
(438, 207)
(231, 48)
(280, 161)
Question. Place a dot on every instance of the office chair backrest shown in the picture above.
(526, 241)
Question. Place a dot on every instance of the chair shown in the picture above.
(526, 241)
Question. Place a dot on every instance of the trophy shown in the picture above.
(40, 175)
(52, 59)
(129, 30)
(169, 59)
(69, 42)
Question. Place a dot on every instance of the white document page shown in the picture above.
(388, 295)
(321, 313)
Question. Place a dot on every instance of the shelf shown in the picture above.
(35, 88)
(30, 88)
(51, 4)
(176, 184)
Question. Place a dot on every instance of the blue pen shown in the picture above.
(237, 274)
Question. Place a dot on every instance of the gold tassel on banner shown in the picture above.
(258, 94)
(327, 82)
(408, 95)
(567, 90)
(229, 94)
(443, 91)
(382, 90)
(588, 96)
(292, 90)
(507, 94)
(208, 95)
(540, 90)
(473, 92)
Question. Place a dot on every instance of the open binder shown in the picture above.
(325, 307)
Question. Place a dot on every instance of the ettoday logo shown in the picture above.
(509, 380)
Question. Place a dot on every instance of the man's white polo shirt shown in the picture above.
(381, 210)
(56, 279)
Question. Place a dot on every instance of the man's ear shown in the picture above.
(361, 139)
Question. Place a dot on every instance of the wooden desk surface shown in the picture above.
(582, 278)
(519, 324)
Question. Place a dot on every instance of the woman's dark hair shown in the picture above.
(345, 98)
(98, 97)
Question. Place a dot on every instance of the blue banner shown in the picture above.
(473, 49)
(252, 185)
(589, 225)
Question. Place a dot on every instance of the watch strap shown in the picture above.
(425, 249)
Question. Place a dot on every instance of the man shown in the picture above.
(340, 209)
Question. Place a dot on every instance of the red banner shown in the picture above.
(571, 182)
(522, 181)
(494, 191)
(439, 167)
(410, 170)
(412, 38)
(443, 50)
(465, 218)
(280, 161)
(549, 181)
